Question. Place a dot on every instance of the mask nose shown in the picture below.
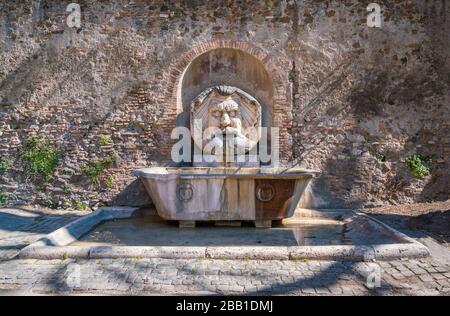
(225, 120)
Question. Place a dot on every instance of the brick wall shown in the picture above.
(351, 101)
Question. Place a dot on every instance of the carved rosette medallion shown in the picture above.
(185, 192)
(265, 192)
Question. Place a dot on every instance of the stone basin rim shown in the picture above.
(238, 172)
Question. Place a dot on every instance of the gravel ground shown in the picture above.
(410, 209)
(430, 218)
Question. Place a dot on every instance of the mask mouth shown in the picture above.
(226, 137)
(229, 135)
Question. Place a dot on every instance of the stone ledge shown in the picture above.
(102, 252)
(254, 253)
(341, 253)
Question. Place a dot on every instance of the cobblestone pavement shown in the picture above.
(164, 276)
(20, 227)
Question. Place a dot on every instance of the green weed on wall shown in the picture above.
(41, 158)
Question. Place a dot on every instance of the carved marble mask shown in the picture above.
(225, 114)
(228, 109)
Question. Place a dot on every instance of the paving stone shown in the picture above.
(443, 282)
(426, 278)
(322, 290)
(335, 290)
(438, 276)
(442, 269)
(309, 291)
(419, 271)
(157, 276)
(398, 276)
(430, 269)
(407, 273)
(432, 285)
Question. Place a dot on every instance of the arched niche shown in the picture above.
(225, 66)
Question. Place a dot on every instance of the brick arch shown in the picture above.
(281, 107)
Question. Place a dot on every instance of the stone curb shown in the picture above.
(56, 246)
(254, 253)
(74, 230)
(344, 253)
(102, 252)
(410, 247)
(52, 253)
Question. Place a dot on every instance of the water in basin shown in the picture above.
(151, 230)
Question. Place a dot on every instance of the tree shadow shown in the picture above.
(434, 224)
(355, 273)
(37, 223)
(134, 194)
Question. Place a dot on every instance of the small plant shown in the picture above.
(41, 158)
(64, 203)
(80, 206)
(66, 189)
(381, 157)
(352, 157)
(48, 200)
(65, 256)
(105, 140)
(3, 198)
(101, 204)
(5, 164)
(94, 170)
(418, 166)
(430, 200)
(110, 182)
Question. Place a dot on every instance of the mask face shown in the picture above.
(224, 113)
(227, 111)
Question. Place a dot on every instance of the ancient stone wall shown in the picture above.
(351, 101)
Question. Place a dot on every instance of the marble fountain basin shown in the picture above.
(259, 194)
